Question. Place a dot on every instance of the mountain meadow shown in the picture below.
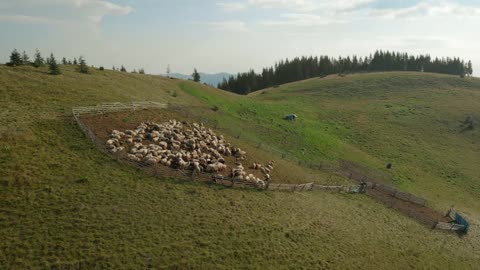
(66, 205)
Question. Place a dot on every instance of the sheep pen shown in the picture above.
(185, 146)
(99, 126)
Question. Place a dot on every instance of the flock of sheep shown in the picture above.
(183, 146)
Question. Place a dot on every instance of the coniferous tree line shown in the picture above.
(18, 59)
(301, 68)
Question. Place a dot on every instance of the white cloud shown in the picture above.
(80, 11)
(296, 5)
(229, 26)
(232, 6)
(28, 19)
(303, 20)
(428, 9)
(323, 12)
(302, 13)
(99, 9)
(412, 42)
(341, 6)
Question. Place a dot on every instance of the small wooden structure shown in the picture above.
(459, 222)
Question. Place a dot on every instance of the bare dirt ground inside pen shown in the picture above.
(103, 124)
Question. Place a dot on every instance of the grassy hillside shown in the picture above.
(411, 120)
(63, 203)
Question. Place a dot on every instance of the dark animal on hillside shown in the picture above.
(291, 117)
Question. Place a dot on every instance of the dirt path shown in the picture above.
(419, 212)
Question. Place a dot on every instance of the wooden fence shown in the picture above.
(450, 226)
(117, 107)
(312, 186)
(212, 178)
(399, 194)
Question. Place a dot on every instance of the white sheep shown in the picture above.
(191, 147)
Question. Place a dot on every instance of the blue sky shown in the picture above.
(235, 35)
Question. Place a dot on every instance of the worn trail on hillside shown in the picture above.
(421, 213)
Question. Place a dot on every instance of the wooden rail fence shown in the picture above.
(118, 106)
(399, 194)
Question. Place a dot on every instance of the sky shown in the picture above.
(235, 35)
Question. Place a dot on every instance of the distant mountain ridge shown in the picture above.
(211, 79)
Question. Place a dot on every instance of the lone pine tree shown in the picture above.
(38, 60)
(53, 66)
(25, 58)
(15, 58)
(196, 75)
(83, 68)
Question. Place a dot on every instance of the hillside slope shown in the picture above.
(412, 120)
(64, 204)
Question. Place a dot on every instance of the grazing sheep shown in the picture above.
(221, 167)
(260, 184)
(151, 161)
(196, 167)
(111, 141)
(211, 168)
(183, 146)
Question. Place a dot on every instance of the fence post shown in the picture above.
(448, 212)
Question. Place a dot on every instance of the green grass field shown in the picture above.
(411, 120)
(65, 204)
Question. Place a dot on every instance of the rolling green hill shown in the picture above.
(65, 204)
(412, 120)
